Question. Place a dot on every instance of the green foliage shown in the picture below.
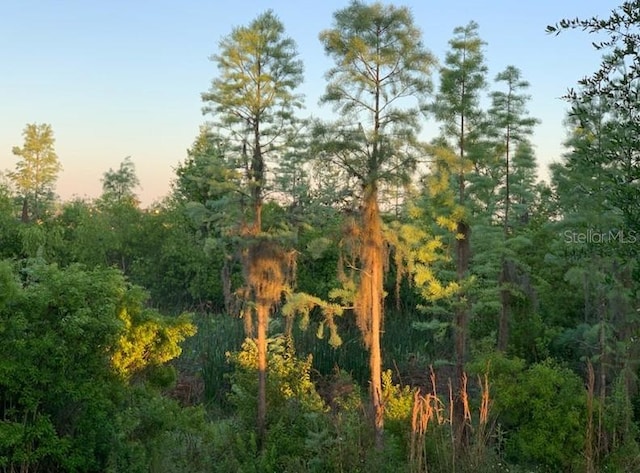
(420, 253)
(622, 46)
(252, 101)
(206, 352)
(380, 63)
(258, 72)
(174, 265)
(511, 127)
(119, 185)
(380, 80)
(157, 248)
(294, 405)
(105, 233)
(288, 381)
(304, 434)
(9, 224)
(457, 108)
(149, 340)
(542, 409)
(37, 169)
(206, 176)
(156, 435)
(462, 78)
(302, 304)
(59, 389)
(398, 405)
(54, 324)
(85, 377)
(604, 108)
(318, 243)
(622, 428)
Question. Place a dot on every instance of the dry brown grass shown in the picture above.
(430, 412)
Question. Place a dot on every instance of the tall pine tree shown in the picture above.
(378, 85)
(457, 108)
(509, 118)
(253, 103)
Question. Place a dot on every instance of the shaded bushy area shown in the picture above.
(79, 372)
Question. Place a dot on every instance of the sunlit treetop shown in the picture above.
(258, 72)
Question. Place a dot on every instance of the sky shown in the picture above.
(118, 78)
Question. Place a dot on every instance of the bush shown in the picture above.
(72, 341)
(156, 435)
(542, 409)
(294, 407)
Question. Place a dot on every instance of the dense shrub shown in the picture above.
(541, 410)
(72, 341)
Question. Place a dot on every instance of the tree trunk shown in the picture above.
(369, 306)
(505, 300)
(375, 365)
(462, 309)
(602, 441)
(25, 211)
(462, 266)
(262, 312)
(257, 180)
(505, 295)
(461, 330)
(507, 184)
(263, 305)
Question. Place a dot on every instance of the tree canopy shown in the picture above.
(37, 168)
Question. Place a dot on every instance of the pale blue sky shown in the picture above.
(123, 78)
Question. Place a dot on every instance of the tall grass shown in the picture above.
(402, 345)
(204, 355)
(433, 443)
